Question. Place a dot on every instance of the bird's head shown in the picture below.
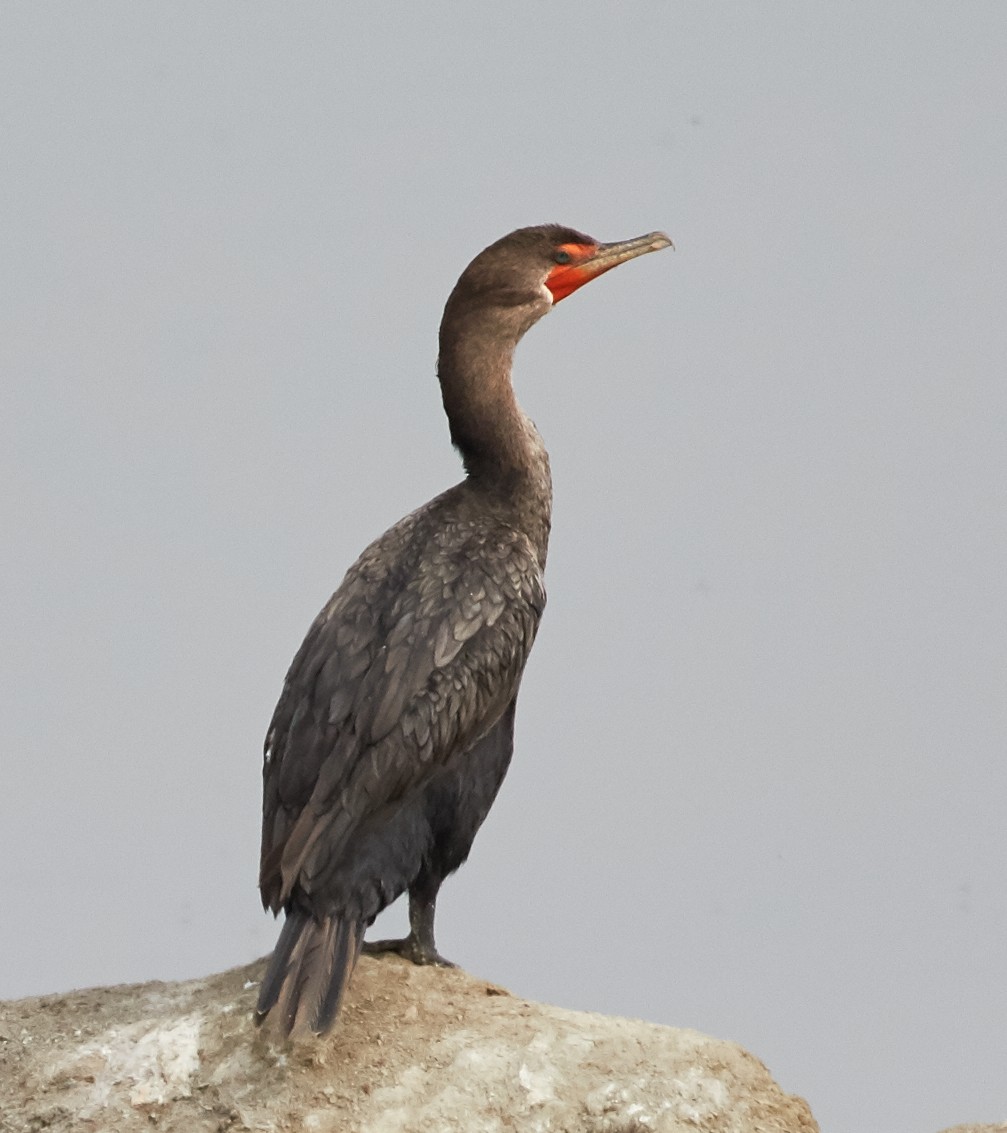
(528, 271)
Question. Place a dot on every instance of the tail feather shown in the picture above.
(307, 975)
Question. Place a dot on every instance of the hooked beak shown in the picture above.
(564, 279)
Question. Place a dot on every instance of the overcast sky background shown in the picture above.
(759, 782)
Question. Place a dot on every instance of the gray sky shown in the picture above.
(759, 781)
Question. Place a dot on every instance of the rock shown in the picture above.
(417, 1050)
(977, 1129)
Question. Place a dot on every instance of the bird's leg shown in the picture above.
(419, 945)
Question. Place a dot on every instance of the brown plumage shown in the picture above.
(394, 729)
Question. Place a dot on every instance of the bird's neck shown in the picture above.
(502, 451)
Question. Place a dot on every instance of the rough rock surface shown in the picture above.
(417, 1050)
(977, 1129)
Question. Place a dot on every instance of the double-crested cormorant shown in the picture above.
(395, 725)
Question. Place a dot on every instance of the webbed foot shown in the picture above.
(410, 948)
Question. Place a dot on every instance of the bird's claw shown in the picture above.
(409, 948)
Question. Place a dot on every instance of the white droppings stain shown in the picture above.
(604, 1099)
(538, 1083)
(159, 1062)
(700, 1096)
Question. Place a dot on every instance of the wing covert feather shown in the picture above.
(410, 663)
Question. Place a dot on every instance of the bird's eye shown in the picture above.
(562, 257)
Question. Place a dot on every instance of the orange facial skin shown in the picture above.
(564, 279)
(579, 263)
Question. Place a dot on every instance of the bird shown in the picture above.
(394, 728)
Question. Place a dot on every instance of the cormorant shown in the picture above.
(395, 726)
